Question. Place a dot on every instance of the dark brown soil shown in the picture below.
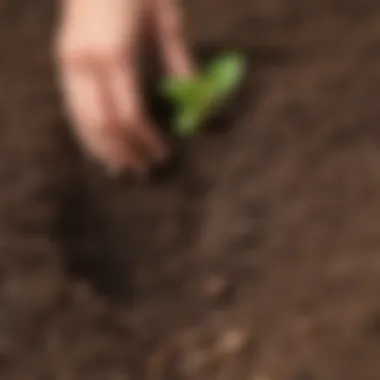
(258, 258)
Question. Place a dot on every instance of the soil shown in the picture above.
(256, 258)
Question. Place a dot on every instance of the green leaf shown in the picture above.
(187, 122)
(189, 117)
(195, 98)
(224, 73)
(180, 91)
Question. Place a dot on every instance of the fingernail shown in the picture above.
(142, 176)
(162, 156)
(114, 170)
(160, 159)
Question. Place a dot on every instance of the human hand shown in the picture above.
(97, 51)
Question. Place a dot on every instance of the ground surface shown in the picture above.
(258, 260)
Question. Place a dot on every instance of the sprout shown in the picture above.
(194, 99)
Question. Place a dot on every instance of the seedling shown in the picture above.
(194, 99)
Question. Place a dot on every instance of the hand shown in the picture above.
(97, 50)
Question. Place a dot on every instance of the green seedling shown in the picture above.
(194, 99)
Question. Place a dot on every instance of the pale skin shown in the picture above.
(96, 49)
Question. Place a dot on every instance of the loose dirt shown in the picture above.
(256, 258)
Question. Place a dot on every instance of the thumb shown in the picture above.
(175, 52)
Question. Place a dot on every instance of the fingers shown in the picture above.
(96, 51)
(142, 136)
(85, 102)
(104, 106)
(176, 55)
(128, 102)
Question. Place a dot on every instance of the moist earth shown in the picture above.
(255, 256)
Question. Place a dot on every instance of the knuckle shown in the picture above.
(74, 53)
(68, 53)
(106, 51)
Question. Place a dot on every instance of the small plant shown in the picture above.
(194, 99)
